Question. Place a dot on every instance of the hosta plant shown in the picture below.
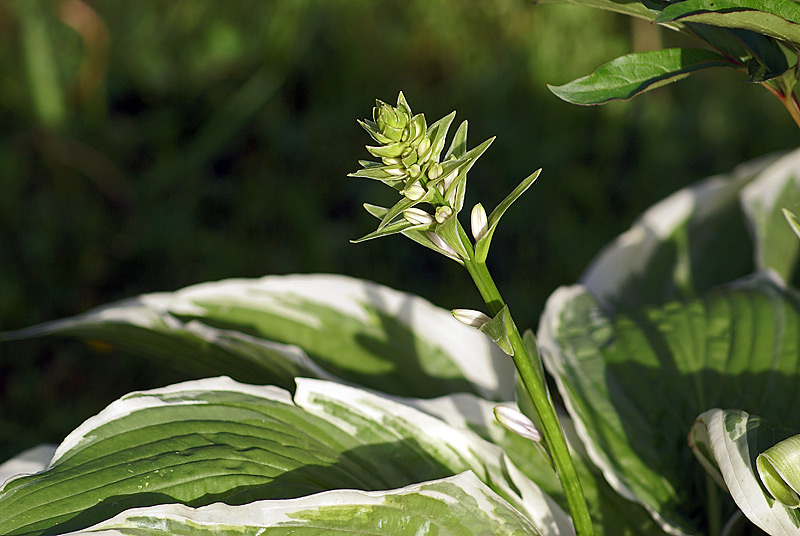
(330, 405)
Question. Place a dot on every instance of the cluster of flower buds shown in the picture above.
(431, 186)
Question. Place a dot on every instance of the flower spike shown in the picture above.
(410, 162)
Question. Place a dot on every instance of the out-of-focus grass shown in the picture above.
(150, 145)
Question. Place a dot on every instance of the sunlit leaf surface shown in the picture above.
(635, 382)
(272, 329)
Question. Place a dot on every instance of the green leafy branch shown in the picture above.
(758, 37)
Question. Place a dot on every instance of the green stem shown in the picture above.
(788, 99)
(532, 378)
(714, 507)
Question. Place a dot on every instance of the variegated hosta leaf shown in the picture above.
(250, 329)
(462, 448)
(697, 238)
(456, 505)
(728, 443)
(777, 187)
(216, 440)
(27, 462)
(612, 515)
(635, 382)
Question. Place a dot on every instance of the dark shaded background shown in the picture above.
(149, 145)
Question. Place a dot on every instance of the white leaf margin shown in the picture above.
(487, 459)
(477, 358)
(726, 434)
(284, 513)
(27, 462)
(460, 446)
(627, 256)
(549, 326)
(761, 199)
(183, 393)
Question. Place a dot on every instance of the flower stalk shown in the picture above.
(431, 188)
(530, 372)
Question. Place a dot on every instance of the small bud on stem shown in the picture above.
(478, 222)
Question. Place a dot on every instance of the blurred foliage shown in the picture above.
(150, 145)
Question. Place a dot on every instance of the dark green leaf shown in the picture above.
(766, 54)
(775, 18)
(632, 74)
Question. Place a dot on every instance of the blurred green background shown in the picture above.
(150, 145)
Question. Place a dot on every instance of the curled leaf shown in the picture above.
(779, 470)
(776, 18)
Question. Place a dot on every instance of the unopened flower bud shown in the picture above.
(478, 222)
(398, 170)
(442, 213)
(470, 317)
(517, 422)
(417, 216)
(414, 192)
(435, 171)
(423, 147)
(387, 117)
